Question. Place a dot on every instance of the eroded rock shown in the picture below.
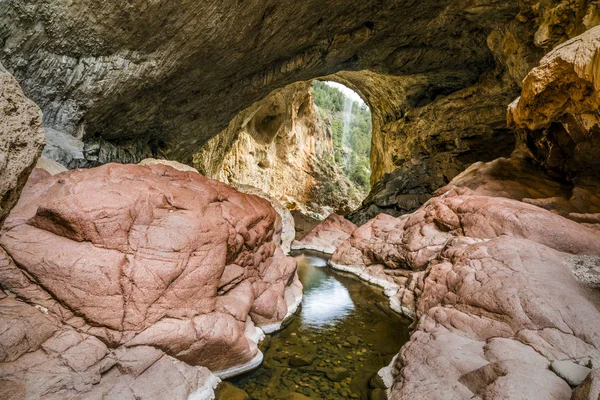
(494, 303)
(326, 236)
(148, 256)
(21, 140)
(557, 114)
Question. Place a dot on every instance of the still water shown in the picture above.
(343, 334)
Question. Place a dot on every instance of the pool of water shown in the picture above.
(342, 335)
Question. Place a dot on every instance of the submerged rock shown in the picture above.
(337, 374)
(227, 391)
(299, 360)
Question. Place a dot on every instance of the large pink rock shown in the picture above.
(326, 236)
(148, 256)
(491, 284)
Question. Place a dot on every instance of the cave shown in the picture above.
(307, 145)
(187, 211)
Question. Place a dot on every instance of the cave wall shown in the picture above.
(177, 74)
(283, 146)
(444, 123)
(437, 75)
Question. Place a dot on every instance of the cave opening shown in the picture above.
(308, 145)
(345, 169)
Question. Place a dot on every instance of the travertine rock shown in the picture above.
(557, 114)
(282, 146)
(498, 300)
(21, 140)
(326, 236)
(150, 256)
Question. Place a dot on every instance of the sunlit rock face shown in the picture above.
(282, 146)
(133, 256)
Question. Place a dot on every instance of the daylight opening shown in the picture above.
(351, 128)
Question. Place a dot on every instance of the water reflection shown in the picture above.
(326, 301)
(343, 334)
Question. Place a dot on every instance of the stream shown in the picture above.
(342, 335)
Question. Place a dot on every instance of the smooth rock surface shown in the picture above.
(571, 372)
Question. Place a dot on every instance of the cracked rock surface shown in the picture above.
(136, 260)
(327, 235)
(495, 296)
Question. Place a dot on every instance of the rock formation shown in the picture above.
(21, 140)
(149, 256)
(282, 146)
(284, 225)
(481, 275)
(326, 236)
(500, 269)
(557, 116)
(161, 273)
(436, 74)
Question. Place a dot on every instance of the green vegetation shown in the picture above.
(352, 151)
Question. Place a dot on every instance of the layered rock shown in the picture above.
(326, 236)
(147, 256)
(282, 146)
(428, 128)
(437, 82)
(21, 140)
(176, 76)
